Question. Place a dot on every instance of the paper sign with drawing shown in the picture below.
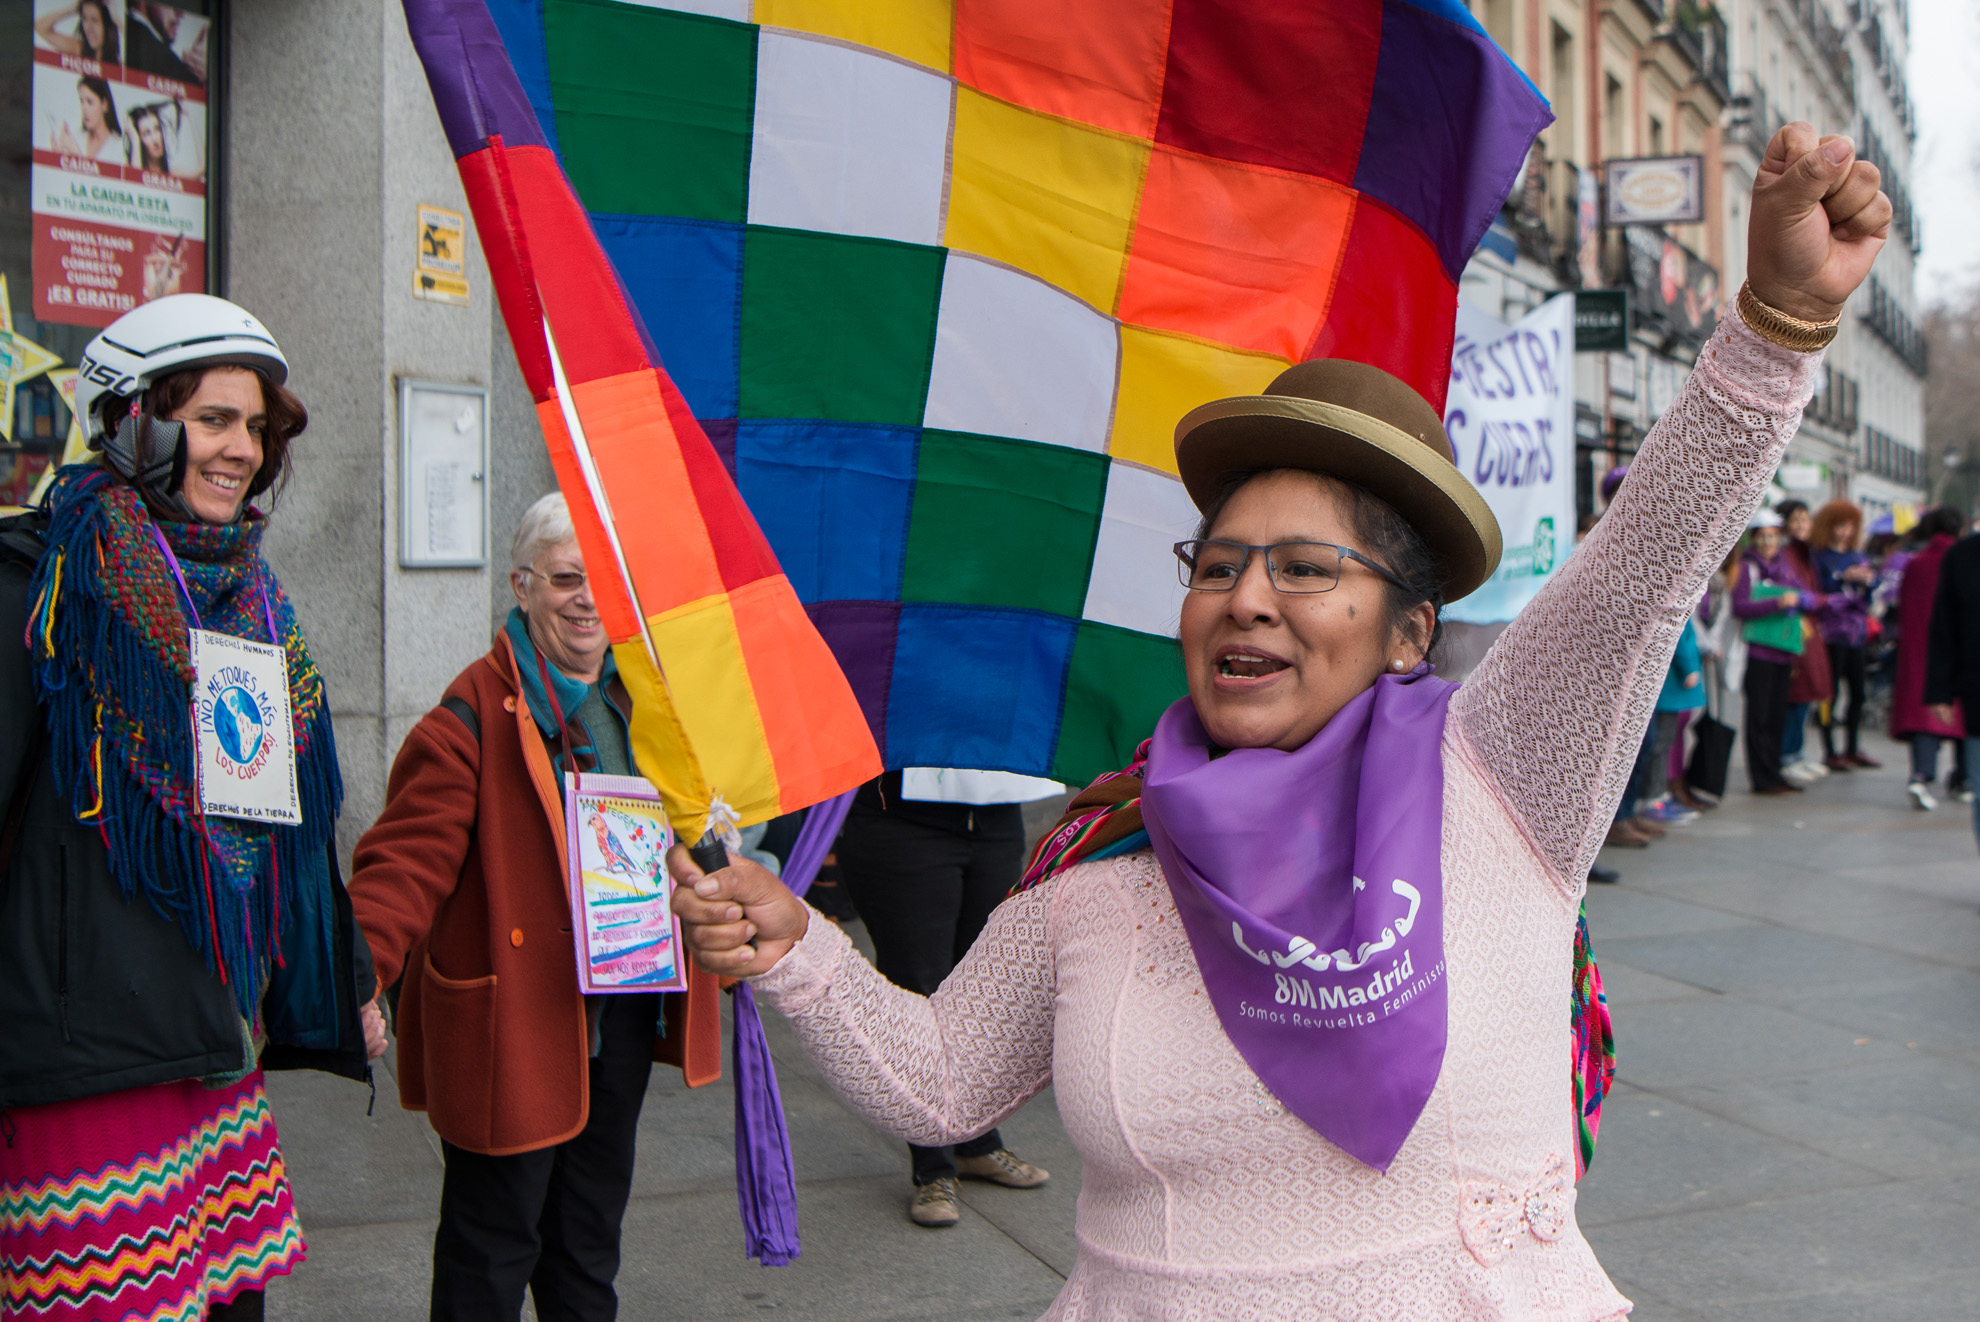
(621, 895)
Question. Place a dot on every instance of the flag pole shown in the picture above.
(708, 852)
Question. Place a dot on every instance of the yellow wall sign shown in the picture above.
(440, 273)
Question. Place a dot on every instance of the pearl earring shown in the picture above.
(1399, 664)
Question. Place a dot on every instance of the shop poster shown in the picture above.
(1510, 417)
(118, 181)
(621, 896)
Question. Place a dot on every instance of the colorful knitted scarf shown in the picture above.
(108, 630)
(1104, 821)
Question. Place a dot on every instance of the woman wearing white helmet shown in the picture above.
(171, 919)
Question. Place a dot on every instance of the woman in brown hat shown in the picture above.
(1297, 975)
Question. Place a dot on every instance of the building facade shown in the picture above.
(1653, 78)
(321, 147)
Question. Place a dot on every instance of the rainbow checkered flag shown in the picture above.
(937, 278)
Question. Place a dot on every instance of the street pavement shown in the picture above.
(1795, 1132)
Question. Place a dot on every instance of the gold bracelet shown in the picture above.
(1772, 324)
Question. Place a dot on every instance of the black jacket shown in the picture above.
(99, 994)
(1952, 660)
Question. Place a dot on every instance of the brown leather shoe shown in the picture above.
(1772, 791)
(937, 1204)
(1622, 835)
(1003, 1167)
(1682, 793)
(1867, 763)
(1655, 830)
(1838, 763)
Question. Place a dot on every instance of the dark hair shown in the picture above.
(1613, 479)
(111, 52)
(1940, 519)
(145, 161)
(100, 89)
(1385, 536)
(286, 416)
(1787, 509)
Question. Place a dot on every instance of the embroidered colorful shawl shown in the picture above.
(1104, 821)
(108, 631)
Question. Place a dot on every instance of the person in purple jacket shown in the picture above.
(1844, 576)
(1767, 669)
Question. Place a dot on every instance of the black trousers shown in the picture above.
(1847, 663)
(247, 1306)
(549, 1220)
(1766, 691)
(924, 893)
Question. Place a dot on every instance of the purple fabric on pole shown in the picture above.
(815, 837)
(1311, 885)
(766, 1181)
(474, 87)
(766, 1184)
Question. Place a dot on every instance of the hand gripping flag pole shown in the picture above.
(731, 684)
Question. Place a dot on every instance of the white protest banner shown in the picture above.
(1510, 416)
(243, 729)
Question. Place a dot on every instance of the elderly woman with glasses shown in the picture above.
(1300, 975)
(534, 1088)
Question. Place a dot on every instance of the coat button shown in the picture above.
(509, 705)
(515, 937)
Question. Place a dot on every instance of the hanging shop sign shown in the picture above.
(1588, 227)
(1672, 283)
(1655, 190)
(119, 173)
(1601, 320)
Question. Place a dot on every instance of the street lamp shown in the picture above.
(1953, 460)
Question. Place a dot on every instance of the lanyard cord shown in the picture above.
(274, 855)
(267, 612)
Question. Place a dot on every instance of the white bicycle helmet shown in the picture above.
(150, 343)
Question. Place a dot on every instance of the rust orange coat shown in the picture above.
(459, 886)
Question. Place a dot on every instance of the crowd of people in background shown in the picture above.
(1817, 615)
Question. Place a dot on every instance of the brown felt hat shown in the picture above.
(1359, 424)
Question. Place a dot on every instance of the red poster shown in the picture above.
(119, 171)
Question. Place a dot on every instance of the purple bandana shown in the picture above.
(1311, 885)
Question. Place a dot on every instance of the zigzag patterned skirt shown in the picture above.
(149, 1205)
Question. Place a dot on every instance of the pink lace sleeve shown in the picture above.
(1557, 708)
(934, 1069)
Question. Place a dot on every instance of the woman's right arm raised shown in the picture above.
(931, 1070)
(1556, 709)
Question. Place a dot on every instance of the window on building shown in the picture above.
(108, 129)
(1566, 140)
(1498, 18)
(1656, 136)
(1613, 119)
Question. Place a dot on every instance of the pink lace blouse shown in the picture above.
(1202, 1197)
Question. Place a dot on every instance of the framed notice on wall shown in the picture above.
(120, 144)
(443, 476)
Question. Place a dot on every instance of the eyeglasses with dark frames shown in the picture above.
(1215, 565)
(564, 580)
